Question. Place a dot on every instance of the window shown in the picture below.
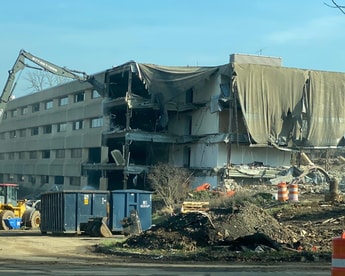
(13, 134)
(34, 131)
(14, 113)
(33, 154)
(22, 155)
(60, 153)
(21, 178)
(58, 180)
(36, 107)
(24, 110)
(63, 101)
(76, 153)
(22, 132)
(189, 96)
(61, 127)
(77, 125)
(2, 156)
(79, 97)
(3, 135)
(32, 179)
(4, 116)
(46, 154)
(48, 104)
(96, 122)
(11, 155)
(74, 181)
(47, 129)
(44, 179)
(95, 94)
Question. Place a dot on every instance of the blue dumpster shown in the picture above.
(67, 211)
(122, 202)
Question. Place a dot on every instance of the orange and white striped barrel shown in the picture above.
(282, 192)
(293, 192)
(338, 256)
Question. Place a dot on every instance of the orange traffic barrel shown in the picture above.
(282, 192)
(338, 256)
(293, 192)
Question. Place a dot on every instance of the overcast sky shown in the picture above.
(93, 36)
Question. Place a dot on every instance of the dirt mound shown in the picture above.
(245, 226)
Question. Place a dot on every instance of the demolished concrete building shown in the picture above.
(207, 119)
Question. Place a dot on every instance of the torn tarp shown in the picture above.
(291, 106)
(166, 83)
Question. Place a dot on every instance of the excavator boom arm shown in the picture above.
(47, 66)
(52, 68)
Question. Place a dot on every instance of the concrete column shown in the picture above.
(103, 183)
(104, 154)
(83, 181)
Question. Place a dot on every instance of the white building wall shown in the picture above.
(203, 122)
(179, 124)
(204, 156)
(269, 156)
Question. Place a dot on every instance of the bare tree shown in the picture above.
(170, 183)
(337, 6)
(40, 80)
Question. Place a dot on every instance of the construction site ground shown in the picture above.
(251, 226)
(282, 232)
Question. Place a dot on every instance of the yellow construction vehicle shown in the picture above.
(25, 213)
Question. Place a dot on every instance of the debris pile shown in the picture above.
(246, 226)
(305, 226)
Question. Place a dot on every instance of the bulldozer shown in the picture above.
(25, 212)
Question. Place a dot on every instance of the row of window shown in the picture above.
(44, 154)
(47, 129)
(41, 179)
(77, 97)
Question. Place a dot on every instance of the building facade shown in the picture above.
(206, 119)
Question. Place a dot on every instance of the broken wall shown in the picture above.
(204, 155)
(180, 123)
(204, 122)
(243, 154)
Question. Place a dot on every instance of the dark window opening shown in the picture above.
(34, 131)
(145, 120)
(94, 155)
(47, 129)
(46, 154)
(118, 85)
(59, 180)
(35, 107)
(186, 157)
(189, 96)
(93, 179)
(79, 97)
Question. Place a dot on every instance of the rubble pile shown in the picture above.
(246, 226)
(306, 226)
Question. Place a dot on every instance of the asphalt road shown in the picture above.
(59, 268)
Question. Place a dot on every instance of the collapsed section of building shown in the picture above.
(217, 121)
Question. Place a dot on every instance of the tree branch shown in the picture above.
(336, 6)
